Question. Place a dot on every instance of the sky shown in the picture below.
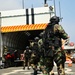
(67, 11)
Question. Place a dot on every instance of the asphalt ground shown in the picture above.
(20, 71)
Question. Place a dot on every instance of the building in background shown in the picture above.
(20, 26)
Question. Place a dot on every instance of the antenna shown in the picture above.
(54, 7)
(45, 3)
(32, 5)
(60, 11)
(23, 4)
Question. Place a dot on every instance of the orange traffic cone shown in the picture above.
(70, 64)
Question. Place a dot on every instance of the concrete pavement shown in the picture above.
(20, 71)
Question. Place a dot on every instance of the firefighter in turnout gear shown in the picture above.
(35, 55)
(52, 45)
(27, 56)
